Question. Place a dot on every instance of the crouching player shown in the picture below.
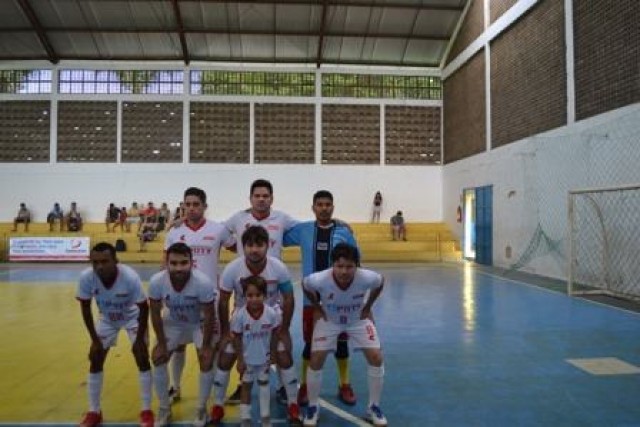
(339, 295)
(187, 294)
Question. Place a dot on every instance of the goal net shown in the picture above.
(604, 242)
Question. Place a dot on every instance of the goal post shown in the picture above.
(604, 242)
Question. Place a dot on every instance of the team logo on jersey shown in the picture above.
(183, 238)
(267, 326)
(274, 227)
(358, 296)
(209, 237)
(330, 296)
(247, 327)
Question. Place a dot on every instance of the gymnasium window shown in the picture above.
(252, 83)
(139, 82)
(381, 86)
(25, 81)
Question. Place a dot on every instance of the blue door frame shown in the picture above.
(484, 225)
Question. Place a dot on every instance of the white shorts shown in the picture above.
(108, 331)
(178, 334)
(230, 350)
(362, 334)
(256, 372)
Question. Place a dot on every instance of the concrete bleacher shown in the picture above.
(425, 242)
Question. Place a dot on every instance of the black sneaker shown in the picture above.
(234, 399)
(281, 396)
(174, 395)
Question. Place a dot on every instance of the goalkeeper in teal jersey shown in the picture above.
(316, 240)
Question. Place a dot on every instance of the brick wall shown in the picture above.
(607, 55)
(464, 111)
(471, 29)
(498, 8)
(528, 75)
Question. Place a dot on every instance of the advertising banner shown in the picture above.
(49, 249)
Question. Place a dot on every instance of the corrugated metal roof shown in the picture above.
(382, 32)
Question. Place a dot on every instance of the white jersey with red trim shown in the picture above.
(117, 304)
(205, 242)
(182, 306)
(275, 273)
(256, 333)
(342, 306)
(276, 224)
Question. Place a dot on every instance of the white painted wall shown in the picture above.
(416, 190)
(531, 179)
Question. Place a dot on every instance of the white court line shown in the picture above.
(343, 414)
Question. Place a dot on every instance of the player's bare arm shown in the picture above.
(160, 353)
(206, 351)
(237, 347)
(373, 296)
(140, 349)
(223, 312)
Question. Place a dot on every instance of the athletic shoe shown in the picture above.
(293, 413)
(311, 416)
(146, 418)
(246, 423)
(217, 414)
(375, 416)
(164, 417)
(265, 422)
(303, 399)
(281, 396)
(174, 394)
(234, 399)
(91, 419)
(346, 395)
(201, 418)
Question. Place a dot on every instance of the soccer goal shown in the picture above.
(604, 242)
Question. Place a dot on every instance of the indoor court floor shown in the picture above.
(463, 347)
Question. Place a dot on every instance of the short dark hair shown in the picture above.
(180, 248)
(257, 282)
(256, 234)
(198, 192)
(323, 194)
(105, 247)
(261, 183)
(346, 251)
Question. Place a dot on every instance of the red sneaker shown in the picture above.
(91, 419)
(293, 413)
(146, 418)
(346, 395)
(217, 414)
(303, 399)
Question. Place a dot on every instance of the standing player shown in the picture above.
(187, 294)
(253, 327)
(122, 304)
(256, 262)
(205, 238)
(343, 296)
(316, 240)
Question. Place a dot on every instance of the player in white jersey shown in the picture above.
(343, 296)
(122, 304)
(252, 327)
(205, 238)
(260, 213)
(187, 295)
(279, 295)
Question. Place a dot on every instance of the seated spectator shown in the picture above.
(55, 215)
(149, 212)
(133, 215)
(24, 216)
(147, 233)
(398, 230)
(178, 216)
(74, 219)
(122, 220)
(112, 215)
(164, 214)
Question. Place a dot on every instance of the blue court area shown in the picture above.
(466, 348)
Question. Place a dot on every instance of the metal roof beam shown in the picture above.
(183, 40)
(42, 36)
(321, 33)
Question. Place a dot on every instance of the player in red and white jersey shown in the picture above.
(256, 262)
(260, 213)
(343, 296)
(122, 304)
(205, 238)
(187, 296)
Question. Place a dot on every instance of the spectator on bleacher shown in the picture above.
(178, 216)
(133, 215)
(122, 219)
(112, 215)
(398, 229)
(24, 217)
(377, 207)
(55, 215)
(164, 214)
(147, 232)
(149, 212)
(74, 219)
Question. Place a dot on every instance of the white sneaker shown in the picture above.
(311, 416)
(266, 422)
(202, 419)
(375, 416)
(164, 417)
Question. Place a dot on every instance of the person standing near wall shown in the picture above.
(377, 207)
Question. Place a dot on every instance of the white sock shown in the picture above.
(177, 367)
(206, 382)
(245, 411)
(375, 375)
(220, 384)
(94, 385)
(145, 389)
(264, 396)
(161, 384)
(314, 383)
(290, 383)
(279, 382)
